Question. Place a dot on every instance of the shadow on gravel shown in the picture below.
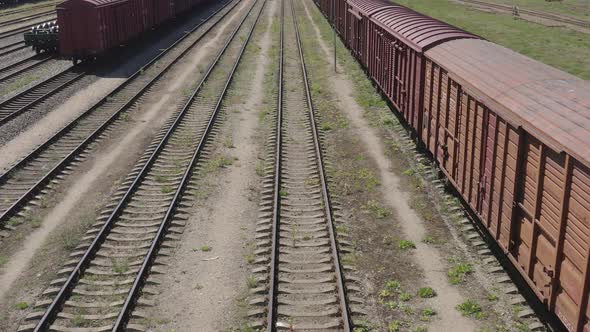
(127, 59)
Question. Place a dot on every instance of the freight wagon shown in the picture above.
(512, 136)
(89, 28)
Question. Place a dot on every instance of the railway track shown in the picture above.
(530, 12)
(12, 47)
(17, 11)
(27, 178)
(14, 69)
(105, 284)
(20, 30)
(27, 18)
(299, 256)
(40, 92)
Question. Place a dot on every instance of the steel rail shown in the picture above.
(5, 47)
(275, 238)
(276, 210)
(16, 31)
(41, 61)
(91, 251)
(26, 18)
(16, 11)
(25, 95)
(324, 185)
(37, 187)
(143, 272)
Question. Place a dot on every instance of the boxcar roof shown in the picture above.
(417, 30)
(89, 3)
(368, 7)
(548, 103)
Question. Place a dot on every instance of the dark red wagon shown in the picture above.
(513, 135)
(91, 27)
(395, 39)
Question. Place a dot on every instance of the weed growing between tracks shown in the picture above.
(19, 83)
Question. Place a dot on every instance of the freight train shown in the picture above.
(510, 134)
(90, 28)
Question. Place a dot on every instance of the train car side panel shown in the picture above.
(571, 262)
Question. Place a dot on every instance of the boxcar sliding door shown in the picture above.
(538, 213)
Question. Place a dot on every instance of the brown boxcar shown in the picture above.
(396, 38)
(91, 27)
(331, 9)
(356, 19)
(513, 135)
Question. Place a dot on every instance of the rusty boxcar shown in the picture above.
(512, 135)
(91, 27)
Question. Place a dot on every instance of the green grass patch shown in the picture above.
(394, 326)
(376, 209)
(558, 47)
(405, 297)
(426, 292)
(78, 320)
(471, 308)
(427, 313)
(218, 162)
(370, 180)
(22, 305)
(251, 281)
(429, 239)
(406, 244)
(120, 265)
(166, 189)
(575, 8)
(458, 273)
(3, 260)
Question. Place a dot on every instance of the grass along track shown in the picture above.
(548, 16)
(562, 48)
(106, 283)
(12, 70)
(298, 251)
(33, 173)
(8, 12)
(37, 94)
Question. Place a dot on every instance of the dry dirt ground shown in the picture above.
(207, 277)
(417, 273)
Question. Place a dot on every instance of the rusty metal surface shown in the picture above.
(551, 104)
(532, 198)
(90, 27)
(368, 7)
(418, 31)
